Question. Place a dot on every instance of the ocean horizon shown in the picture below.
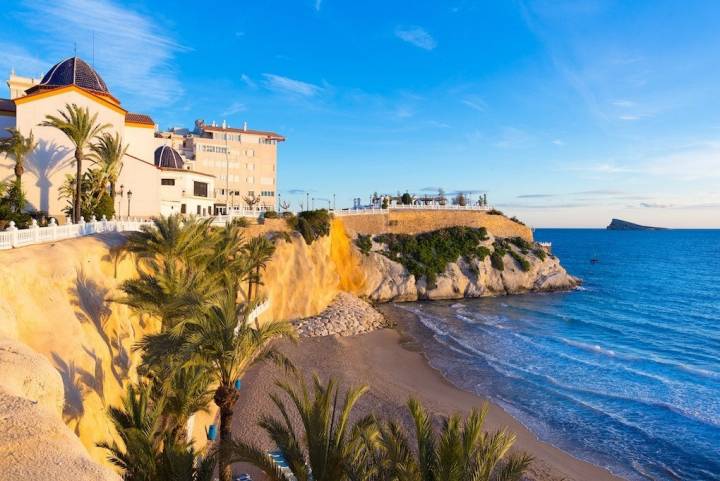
(623, 372)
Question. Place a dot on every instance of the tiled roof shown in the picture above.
(139, 118)
(271, 135)
(74, 71)
(7, 105)
(167, 158)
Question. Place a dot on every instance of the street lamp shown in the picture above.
(307, 200)
(122, 193)
(129, 199)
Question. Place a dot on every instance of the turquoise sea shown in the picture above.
(623, 372)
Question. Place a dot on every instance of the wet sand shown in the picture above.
(394, 369)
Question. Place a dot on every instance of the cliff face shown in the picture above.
(56, 300)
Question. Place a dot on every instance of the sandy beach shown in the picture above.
(390, 364)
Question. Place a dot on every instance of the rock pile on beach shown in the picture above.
(347, 315)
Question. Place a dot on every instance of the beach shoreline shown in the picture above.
(395, 368)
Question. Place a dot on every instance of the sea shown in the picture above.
(623, 372)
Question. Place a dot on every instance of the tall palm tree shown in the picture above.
(18, 147)
(182, 394)
(108, 153)
(81, 128)
(461, 451)
(322, 449)
(222, 343)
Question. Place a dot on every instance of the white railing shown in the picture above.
(235, 213)
(254, 314)
(377, 210)
(14, 237)
(546, 244)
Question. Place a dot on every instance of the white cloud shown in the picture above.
(18, 58)
(417, 36)
(133, 53)
(288, 85)
(248, 81)
(623, 103)
(558, 142)
(318, 4)
(475, 103)
(234, 108)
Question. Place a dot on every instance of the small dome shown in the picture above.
(167, 158)
(74, 71)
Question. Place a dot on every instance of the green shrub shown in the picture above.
(406, 199)
(311, 224)
(520, 243)
(524, 264)
(496, 259)
(495, 212)
(428, 254)
(539, 253)
(516, 220)
(271, 214)
(364, 243)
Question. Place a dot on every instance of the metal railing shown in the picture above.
(14, 237)
(378, 210)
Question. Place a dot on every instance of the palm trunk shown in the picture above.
(225, 398)
(78, 188)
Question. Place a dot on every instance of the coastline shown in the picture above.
(395, 369)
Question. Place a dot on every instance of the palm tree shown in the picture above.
(81, 128)
(259, 251)
(222, 343)
(322, 449)
(147, 453)
(460, 451)
(174, 239)
(108, 153)
(182, 394)
(18, 147)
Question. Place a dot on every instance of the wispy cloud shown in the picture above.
(18, 58)
(284, 84)
(417, 36)
(318, 4)
(623, 103)
(536, 196)
(133, 53)
(235, 108)
(248, 81)
(558, 142)
(475, 103)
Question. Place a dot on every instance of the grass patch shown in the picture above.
(540, 253)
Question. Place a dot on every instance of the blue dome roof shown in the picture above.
(74, 71)
(167, 158)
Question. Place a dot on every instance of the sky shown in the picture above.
(566, 113)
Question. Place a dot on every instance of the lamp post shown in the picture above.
(279, 204)
(307, 200)
(334, 207)
(129, 199)
(122, 193)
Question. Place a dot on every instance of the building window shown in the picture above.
(200, 189)
(267, 141)
(267, 193)
(167, 181)
(183, 209)
(198, 210)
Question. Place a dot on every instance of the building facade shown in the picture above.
(181, 171)
(243, 161)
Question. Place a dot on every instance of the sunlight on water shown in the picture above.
(624, 372)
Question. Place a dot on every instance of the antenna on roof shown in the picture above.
(74, 49)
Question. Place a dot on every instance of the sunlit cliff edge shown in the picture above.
(56, 301)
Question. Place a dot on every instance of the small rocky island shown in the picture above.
(617, 224)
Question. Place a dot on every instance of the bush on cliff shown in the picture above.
(540, 253)
(524, 263)
(271, 214)
(364, 243)
(496, 259)
(311, 224)
(428, 254)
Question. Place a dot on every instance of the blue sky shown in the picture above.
(566, 113)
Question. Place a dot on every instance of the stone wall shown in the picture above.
(398, 221)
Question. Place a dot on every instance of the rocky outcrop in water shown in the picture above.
(388, 280)
(617, 224)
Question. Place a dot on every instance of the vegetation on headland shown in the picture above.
(201, 282)
(428, 254)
